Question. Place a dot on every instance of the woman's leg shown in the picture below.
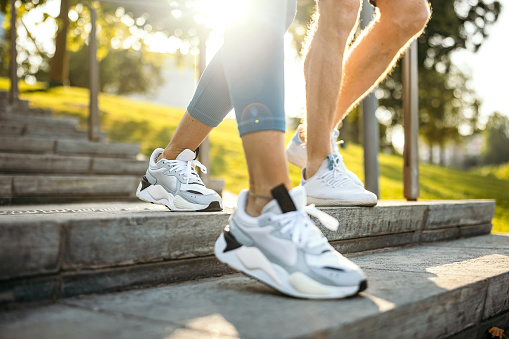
(211, 101)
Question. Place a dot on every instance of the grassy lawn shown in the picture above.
(152, 125)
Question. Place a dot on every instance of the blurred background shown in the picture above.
(149, 52)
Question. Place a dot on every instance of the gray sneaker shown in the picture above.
(285, 250)
(176, 184)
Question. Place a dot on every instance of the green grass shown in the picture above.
(152, 125)
(500, 171)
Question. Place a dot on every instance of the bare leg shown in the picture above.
(189, 134)
(323, 71)
(267, 169)
(374, 54)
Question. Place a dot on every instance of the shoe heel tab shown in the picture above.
(283, 198)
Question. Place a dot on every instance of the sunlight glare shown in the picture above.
(220, 13)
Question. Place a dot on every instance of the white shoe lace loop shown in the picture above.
(187, 168)
(302, 229)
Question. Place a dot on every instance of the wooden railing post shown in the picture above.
(13, 64)
(411, 124)
(94, 133)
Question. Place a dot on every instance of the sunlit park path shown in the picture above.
(125, 120)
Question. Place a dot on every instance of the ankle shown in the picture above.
(255, 203)
(311, 168)
(169, 154)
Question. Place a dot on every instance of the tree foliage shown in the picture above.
(128, 32)
(497, 140)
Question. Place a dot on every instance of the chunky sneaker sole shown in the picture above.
(252, 262)
(342, 203)
(156, 194)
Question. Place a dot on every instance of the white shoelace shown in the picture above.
(336, 175)
(302, 229)
(187, 168)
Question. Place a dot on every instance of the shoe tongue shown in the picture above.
(298, 198)
(186, 155)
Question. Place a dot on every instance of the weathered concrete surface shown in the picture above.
(16, 144)
(60, 164)
(44, 163)
(11, 128)
(62, 321)
(375, 242)
(29, 249)
(67, 146)
(459, 213)
(107, 242)
(114, 166)
(107, 247)
(148, 275)
(358, 222)
(5, 186)
(37, 119)
(29, 291)
(441, 293)
(28, 185)
(94, 148)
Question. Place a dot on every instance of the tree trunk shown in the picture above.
(59, 64)
(442, 155)
(430, 154)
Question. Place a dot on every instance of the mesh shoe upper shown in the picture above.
(179, 177)
(292, 241)
(332, 182)
(297, 153)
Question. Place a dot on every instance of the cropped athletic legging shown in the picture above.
(247, 72)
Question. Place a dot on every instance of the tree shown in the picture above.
(497, 140)
(120, 28)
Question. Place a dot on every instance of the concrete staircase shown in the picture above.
(423, 282)
(45, 159)
(130, 270)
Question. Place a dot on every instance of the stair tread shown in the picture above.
(431, 291)
(66, 146)
(69, 164)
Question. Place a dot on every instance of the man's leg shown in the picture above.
(375, 52)
(323, 70)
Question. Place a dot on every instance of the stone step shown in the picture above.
(49, 252)
(457, 289)
(16, 128)
(40, 119)
(25, 110)
(32, 122)
(24, 189)
(67, 164)
(67, 147)
(20, 105)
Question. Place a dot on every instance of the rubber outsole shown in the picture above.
(143, 194)
(227, 253)
(340, 203)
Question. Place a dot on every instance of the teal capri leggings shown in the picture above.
(247, 72)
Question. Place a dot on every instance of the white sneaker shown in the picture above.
(176, 185)
(285, 250)
(297, 154)
(331, 186)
